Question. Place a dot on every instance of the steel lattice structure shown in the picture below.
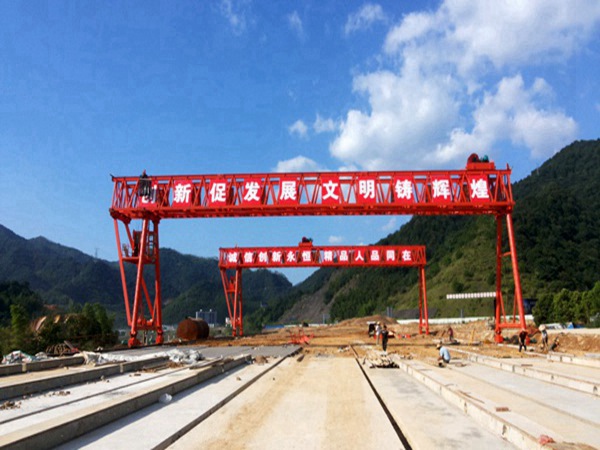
(478, 189)
(308, 255)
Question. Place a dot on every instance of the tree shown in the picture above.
(592, 300)
(562, 307)
(21, 335)
(542, 311)
(14, 292)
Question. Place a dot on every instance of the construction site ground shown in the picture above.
(406, 340)
(325, 387)
(417, 353)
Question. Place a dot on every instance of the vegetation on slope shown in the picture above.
(558, 246)
(557, 237)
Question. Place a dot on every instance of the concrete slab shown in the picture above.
(46, 364)
(279, 351)
(426, 419)
(169, 420)
(319, 403)
(581, 378)
(492, 401)
(576, 404)
(13, 389)
(65, 425)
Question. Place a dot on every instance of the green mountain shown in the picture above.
(557, 236)
(65, 276)
(555, 219)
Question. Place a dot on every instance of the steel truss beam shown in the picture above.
(307, 255)
(479, 189)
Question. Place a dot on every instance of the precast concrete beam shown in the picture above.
(53, 363)
(589, 387)
(54, 432)
(521, 436)
(44, 384)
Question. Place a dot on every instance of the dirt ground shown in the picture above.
(406, 340)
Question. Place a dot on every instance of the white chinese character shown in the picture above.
(251, 191)
(306, 255)
(404, 189)
(181, 193)
(248, 257)
(276, 256)
(375, 255)
(328, 256)
(406, 255)
(288, 190)
(479, 188)
(232, 257)
(366, 188)
(390, 255)
(263, 257)
(330, 190)
(344, 257)
(217, 192)
(441, 188)
(290, 256)
(359, 256)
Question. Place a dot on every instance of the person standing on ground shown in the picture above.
(384, 337)
(444, 357)
(523, 340)
(544, 337)
(451, 335)
(377, 332)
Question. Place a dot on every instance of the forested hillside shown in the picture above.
(556, 221)
(63, 276)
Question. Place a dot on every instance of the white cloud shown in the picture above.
(412, 27)
(364, 18)
(518, 32)
(298, 164)
(295, 24)
(335, 240)
(512, 113)
(298, 128)
(324, 125)
(408, 116)
(455, 86)
(234, 14)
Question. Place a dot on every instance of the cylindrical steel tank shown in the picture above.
(192, 329)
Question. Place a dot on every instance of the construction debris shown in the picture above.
(380, 361)
(259, 359)
(10, 404)
(18, 357)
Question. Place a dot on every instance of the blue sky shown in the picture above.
(89, 89)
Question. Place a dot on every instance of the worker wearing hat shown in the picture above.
(444, 357)
(544, 337)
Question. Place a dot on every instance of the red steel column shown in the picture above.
(157, 310)
(122, 270)
(239, 324)
(137, 306)
(499, 306)
(423, 286)
(515, 267)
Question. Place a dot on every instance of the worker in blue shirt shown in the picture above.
(444, 357)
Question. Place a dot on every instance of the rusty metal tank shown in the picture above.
(192, 329)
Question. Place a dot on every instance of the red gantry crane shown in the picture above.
(481, 188)
(308, 255)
